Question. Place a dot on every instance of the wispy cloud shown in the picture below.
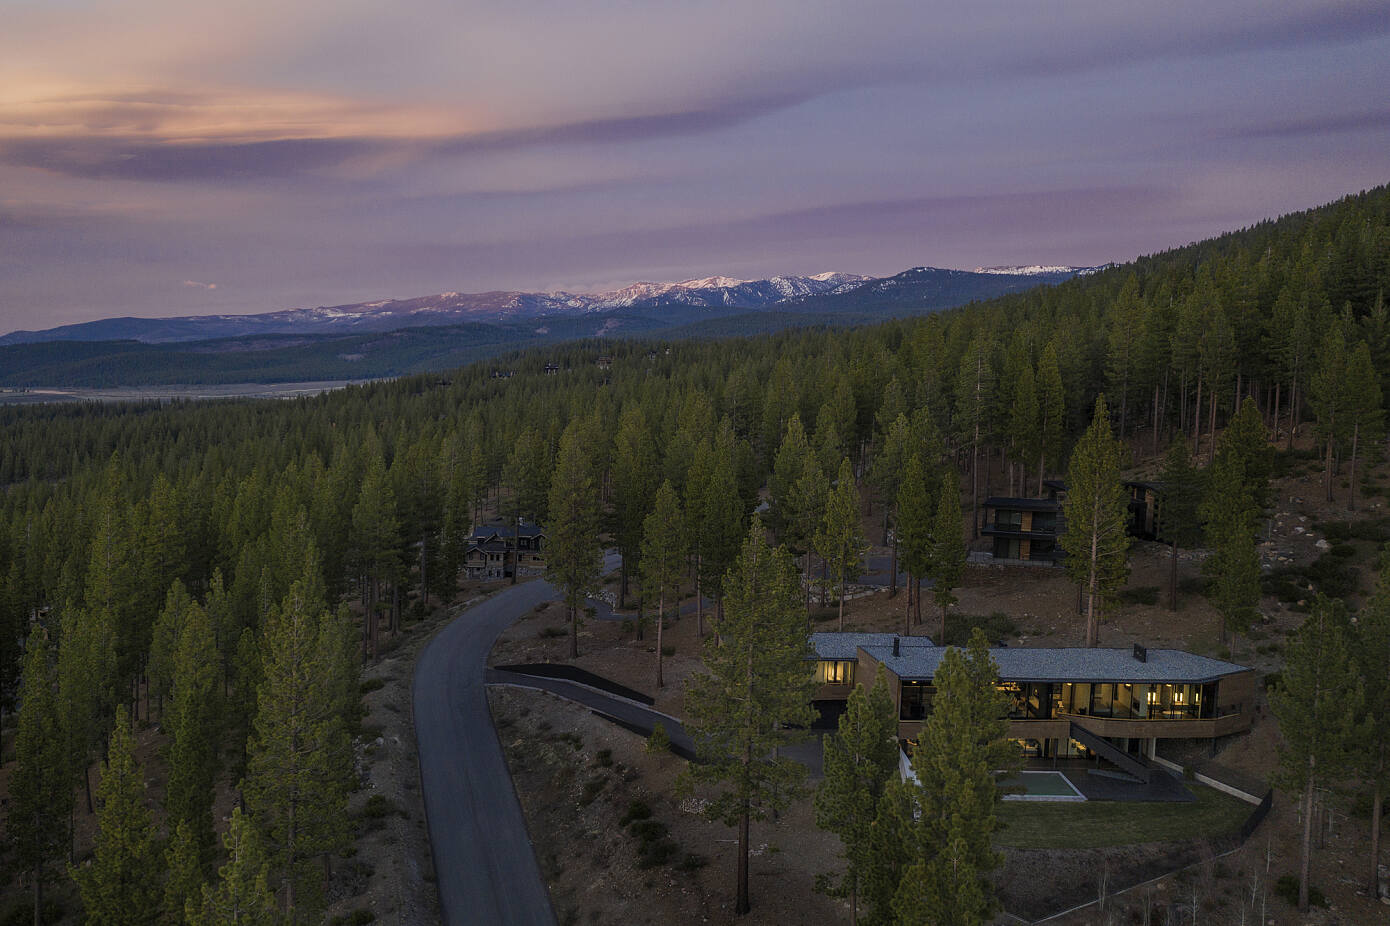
(195, 284)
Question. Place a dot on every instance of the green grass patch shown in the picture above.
(1046, 825)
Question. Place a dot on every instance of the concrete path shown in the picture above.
(636, 717)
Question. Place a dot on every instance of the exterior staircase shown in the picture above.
(1102, 747)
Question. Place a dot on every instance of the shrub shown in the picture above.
(1342, 551)
(647, 830)
(604, 758)
(636, 810)
(997, 625)
(359, 917)
(659, 741)
(1331, 576)
(1143, 594)
(1193, 585)
(652, 854)
(378, 807)
(1286, 889)
(372, 684)
(668, 649)
(550, 633)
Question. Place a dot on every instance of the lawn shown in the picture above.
(1045, 825)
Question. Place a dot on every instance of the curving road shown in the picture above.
(484, 863)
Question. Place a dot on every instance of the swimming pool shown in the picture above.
(1042, 786)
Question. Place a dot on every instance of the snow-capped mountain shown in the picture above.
(450, 308)
(1035, 270)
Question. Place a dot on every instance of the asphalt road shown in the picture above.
(483, 860)
(484, 863)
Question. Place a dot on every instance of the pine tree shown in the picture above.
(947, 550)
(840, 540)
(1096, 513)
(916, 527)
(792, 458)
(635, 477)
(1234, 566)
(755, 691)
(1178, 520)
(1317, 702)
(963, 745)
(376, 542)
(574, 553)
(160, 668)
(184, 884)
(1246, 443)
(892, 850)
(663, 559)
(714, 513)
(1024, 434)
(859, 762)
(1371, 645)
(975, 385)
(86, 689)
(194, 726)
(805, 507)
(118, 887)
(40, 787)
(1364, 415)
(242, 896)
(1327, 390)
(1051, 411)
(296, 785)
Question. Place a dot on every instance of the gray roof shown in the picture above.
(845, 645)
(1073, 664)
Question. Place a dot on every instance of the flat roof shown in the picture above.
(1071, 664)
(833, 645)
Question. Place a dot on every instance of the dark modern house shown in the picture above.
(1023, 530)
(1028, 530)
(497, 550)
(1066, 702)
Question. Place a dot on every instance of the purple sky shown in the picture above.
(157, 158)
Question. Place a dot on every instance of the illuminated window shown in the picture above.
(834, 672)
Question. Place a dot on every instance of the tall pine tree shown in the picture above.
(840, 540)
(1096, 512)
(118, 887)
(755, 692)
(1318, 704)
(574, 553)
(859, 762)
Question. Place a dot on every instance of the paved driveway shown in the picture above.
(484, 863)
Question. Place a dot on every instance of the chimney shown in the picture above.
(896, 650)
(1141, 654)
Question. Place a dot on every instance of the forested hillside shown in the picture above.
(178, 562)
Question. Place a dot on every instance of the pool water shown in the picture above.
(1042, 786)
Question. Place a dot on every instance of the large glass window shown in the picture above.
(1018, 700)
(1102, 700)
(1008, 520)
(916, 700)
(834, 672)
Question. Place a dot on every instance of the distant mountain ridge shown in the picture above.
(446, 309)
(435, 333)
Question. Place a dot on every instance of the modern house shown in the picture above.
(1027, 530)
(1023, 530)
(1066, 702)
(498, 550)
